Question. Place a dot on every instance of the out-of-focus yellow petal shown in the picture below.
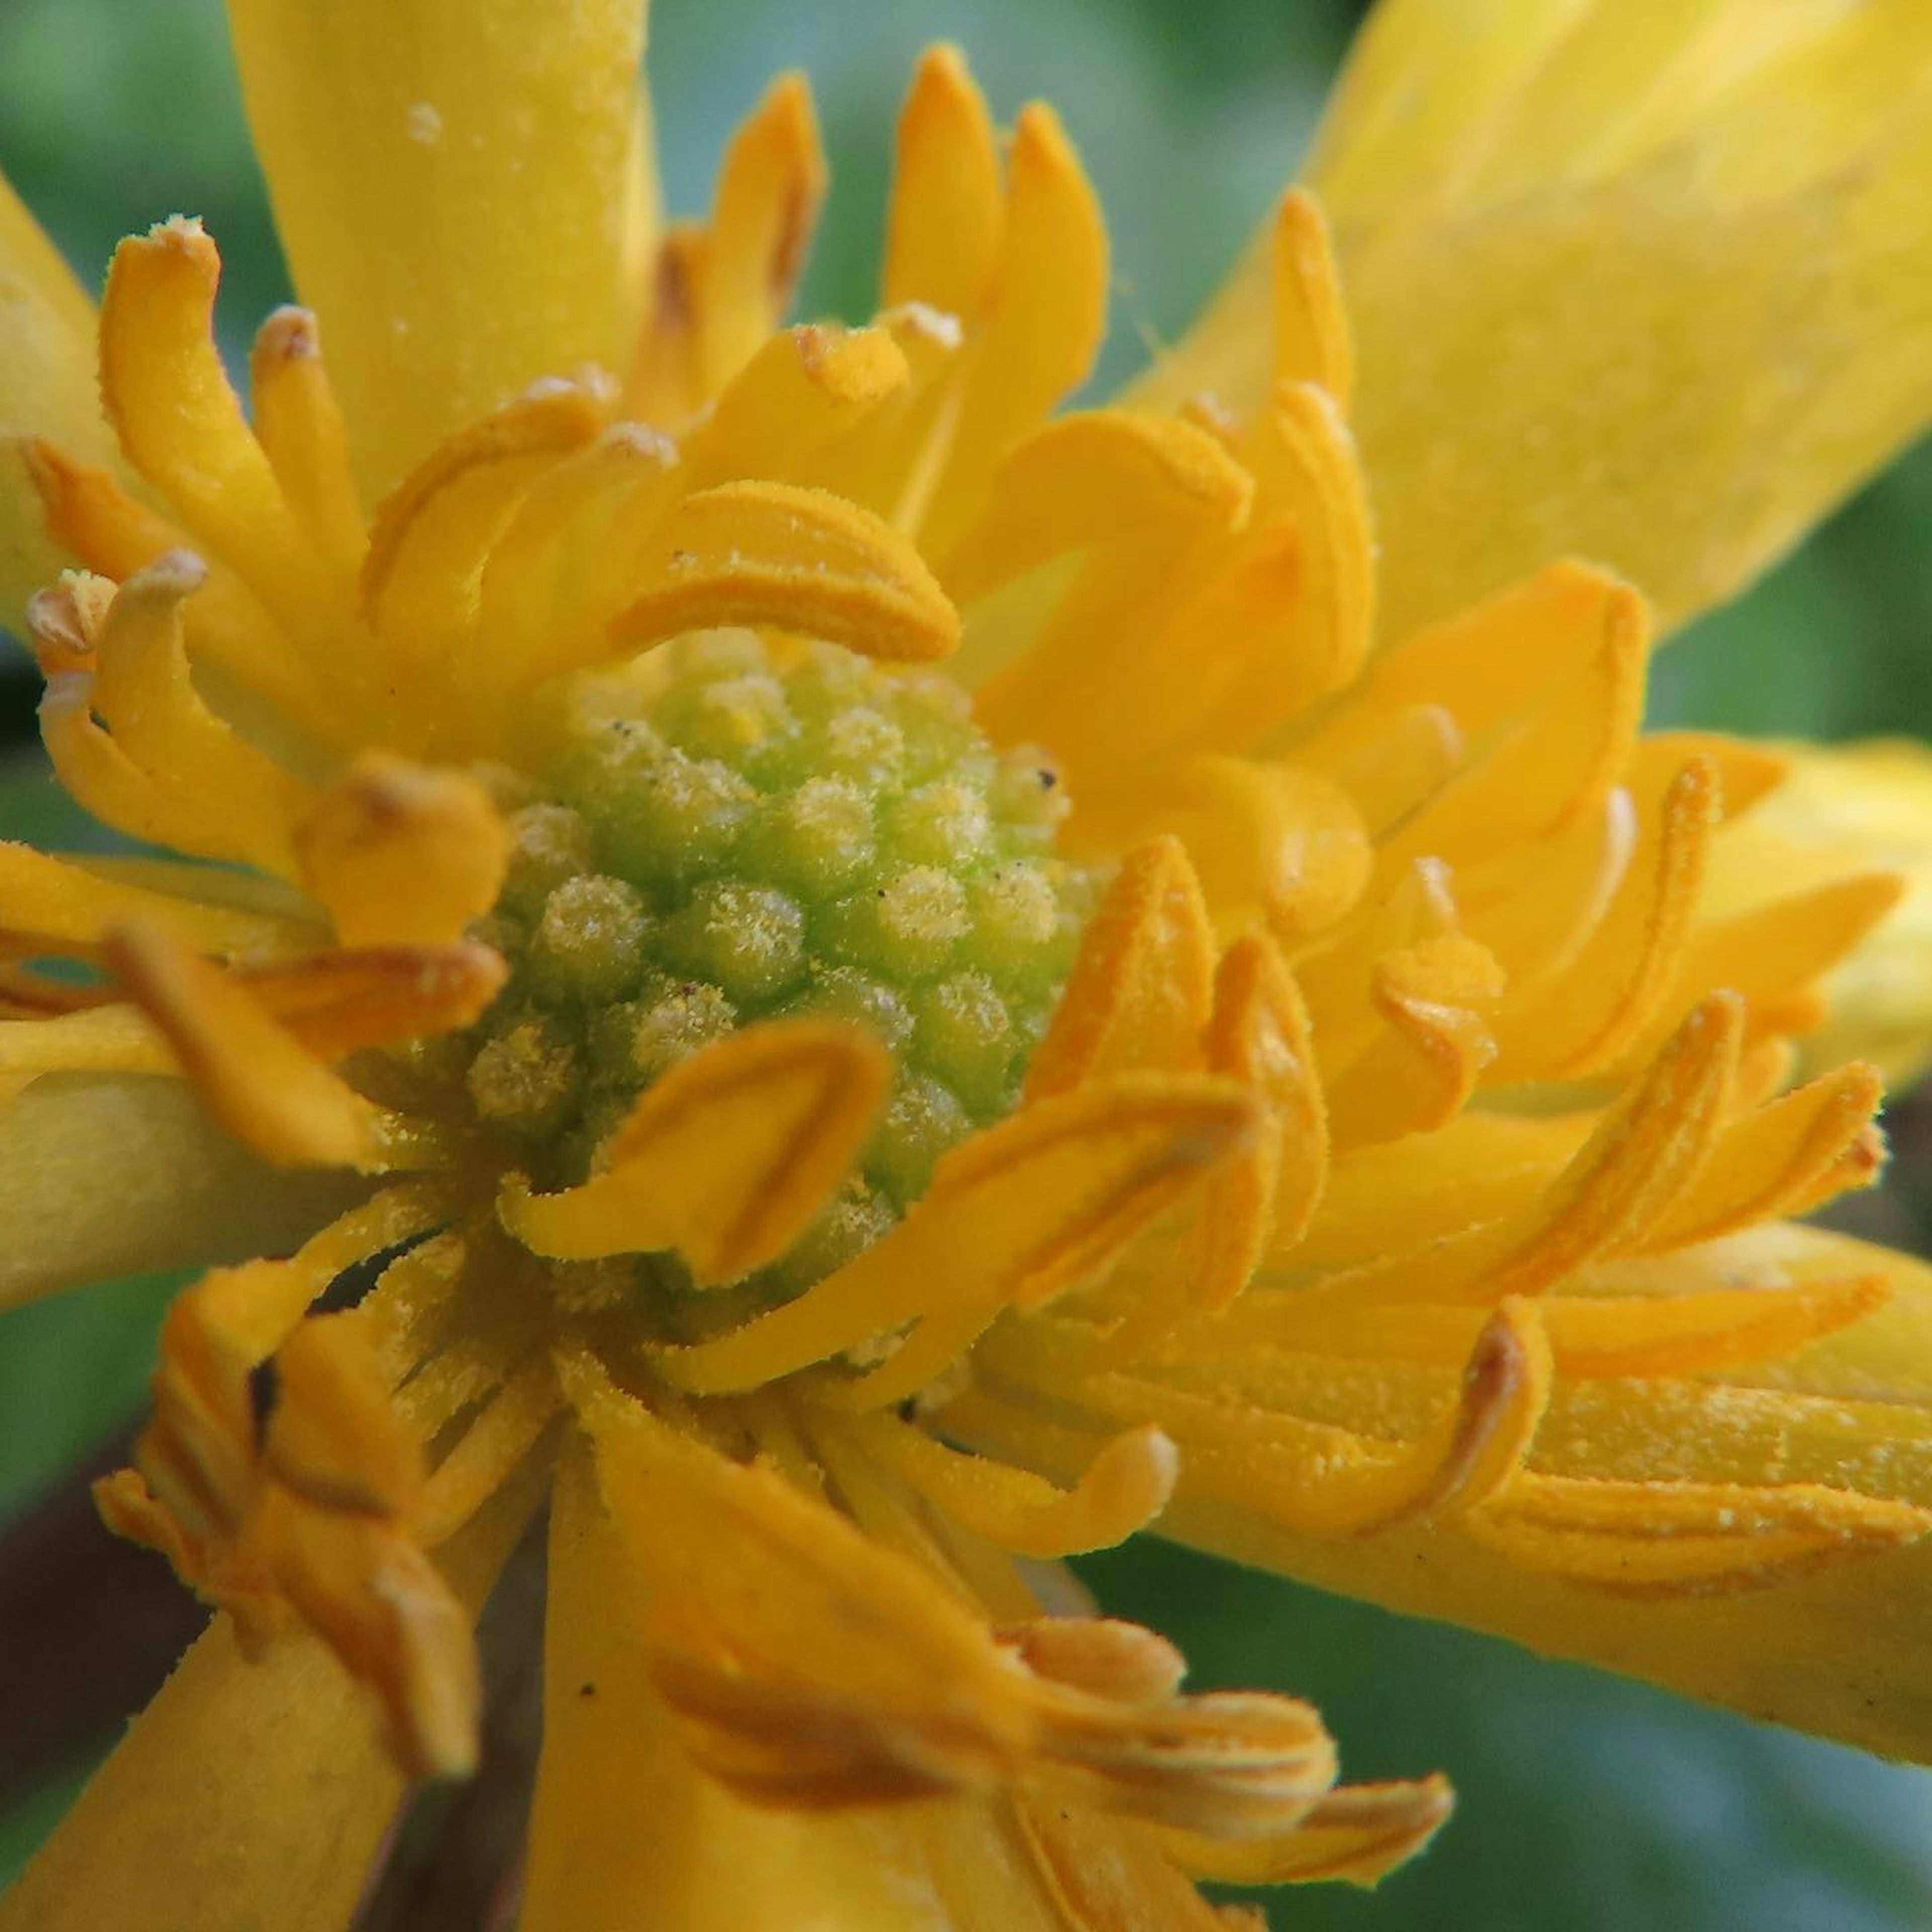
(1740, 190)
(180, 1191)
(401, 854)
(1840, 812)
(623, 1814)
(46, 389)
(456, 184)
(246, 1794)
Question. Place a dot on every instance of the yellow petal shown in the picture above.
(1360, 1833)
(727, 1158)
(948, 209)
(797, 559)
(402, 855)
(1142, 987)
(90, 516)
(1841, 810)
(145, 695)
(478, 167)
(1123, 1489)
(1047, 314)
(46, 389)
(769, 189)
(247, 1793)
(1018, 1214)
(259, 1083)
(422, 578)
(44, 897)
(1742, 189)
(298, 423)
(182, 423)
(623, 1813)
(181, 1190)
(1759, 229)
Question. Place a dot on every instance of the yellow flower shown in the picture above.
(1322, 1082)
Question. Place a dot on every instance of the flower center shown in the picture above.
(735, 832)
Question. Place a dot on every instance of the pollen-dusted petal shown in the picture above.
(1047, 315)
(402, 855)
(143, 693)
(432, 533)
(264, 1087)
(60, 900)
(1772, 1161)
(948, 213)
(727, 1158)
(1015, 1215)
(1560, 760)
(1260, 1032)
(1272, 845)
(458, 190)
(1112, 1873)
(1595, 1011)
(1434, 1000)
(298, 423)
(1358, 1833)
(1142, 986)
(1122, 1490)
(802, 388)
(1686, 1333)
(101, 775)
(1688, 1539)
(556, 575)
(1776, 952)
(1636, 1164)
(795, 560)
(1403, 1195)
(1097, 475)
(180, 423)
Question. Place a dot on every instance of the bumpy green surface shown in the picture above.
(735, 833)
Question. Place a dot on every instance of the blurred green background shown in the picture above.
(1585, 1803)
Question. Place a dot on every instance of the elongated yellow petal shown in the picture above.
(622, 1812)
(1514, 174)
(478, 165)
(44, 897)
(258, 1082)
(46, 389)
(728, 1157)
(1018, 1214)
(1839, 811)
(802, 560)
(948, 210)
(246, 1793)
(1141, 989)
(181, 1191)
